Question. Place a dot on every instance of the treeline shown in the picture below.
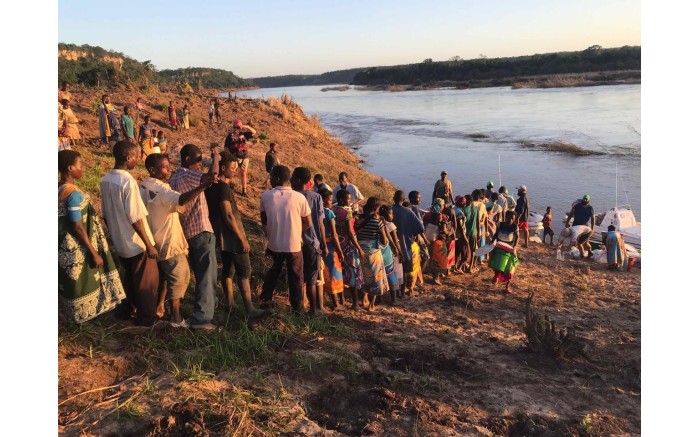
(93, 65)
(206, 78)
(328, 78)
(593, 59)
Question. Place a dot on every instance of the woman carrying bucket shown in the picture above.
(503, 259)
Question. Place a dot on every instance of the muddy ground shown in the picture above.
(452, 360)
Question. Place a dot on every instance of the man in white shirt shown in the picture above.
(125, 215)
(355, 195)
(285, 214)
(163, 205)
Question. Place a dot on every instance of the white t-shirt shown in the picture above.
(163, 218)
(121, 207)
(284, 209)
(570, 235)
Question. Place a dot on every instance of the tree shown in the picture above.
(428, 60)
(454, 59)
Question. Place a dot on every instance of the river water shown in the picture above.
(410, 137)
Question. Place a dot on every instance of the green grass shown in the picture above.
(192, 354)
(315, 326)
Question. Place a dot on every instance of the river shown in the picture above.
(477, 135)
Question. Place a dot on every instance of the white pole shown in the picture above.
(615, 184)
(500, 183)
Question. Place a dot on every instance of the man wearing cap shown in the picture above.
(443, 189)
(489, 189)
(582, 212)
(522, 212)
(245, 130)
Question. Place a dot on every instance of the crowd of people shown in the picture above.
(334, 243)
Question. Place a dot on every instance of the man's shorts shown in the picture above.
(583, 238)
(235, 263)
(523, 226)
(176, 272)
(312, 263)
(243, 163)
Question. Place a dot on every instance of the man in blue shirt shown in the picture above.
(408, 228)
(313, 244)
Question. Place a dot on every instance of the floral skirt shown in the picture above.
(374, 277)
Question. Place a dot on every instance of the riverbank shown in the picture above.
(517, 82)
(450, 361)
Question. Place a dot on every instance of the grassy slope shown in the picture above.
(449, 362)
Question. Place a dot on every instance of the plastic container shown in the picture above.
(498, 260)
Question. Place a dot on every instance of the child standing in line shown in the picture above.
(162, 142)
(547, 223)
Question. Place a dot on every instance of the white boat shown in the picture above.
(624, 221)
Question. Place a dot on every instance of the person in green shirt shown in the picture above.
(128, 124)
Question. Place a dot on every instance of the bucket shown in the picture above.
(630, 264)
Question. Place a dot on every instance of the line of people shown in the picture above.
(174, 221)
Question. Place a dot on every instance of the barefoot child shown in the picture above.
(172, 114)
(547, 223)
(504, 260)
(333, 261)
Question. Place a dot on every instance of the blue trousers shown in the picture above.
(202, 258)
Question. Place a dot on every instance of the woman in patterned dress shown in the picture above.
(352, 252)
(88, 280)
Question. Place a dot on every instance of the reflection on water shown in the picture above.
(409, 137)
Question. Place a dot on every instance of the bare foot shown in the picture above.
(160, 311)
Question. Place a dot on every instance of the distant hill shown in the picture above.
(92, 65)
(593, 59)
(331, 77)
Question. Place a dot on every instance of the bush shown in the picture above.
(194, 120)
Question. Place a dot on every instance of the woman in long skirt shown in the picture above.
(352, 252)
(391, 253)
(371, 234)
(88, 279)
(443, 248)
(332, 263)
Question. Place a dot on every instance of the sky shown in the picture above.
(274, 37)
